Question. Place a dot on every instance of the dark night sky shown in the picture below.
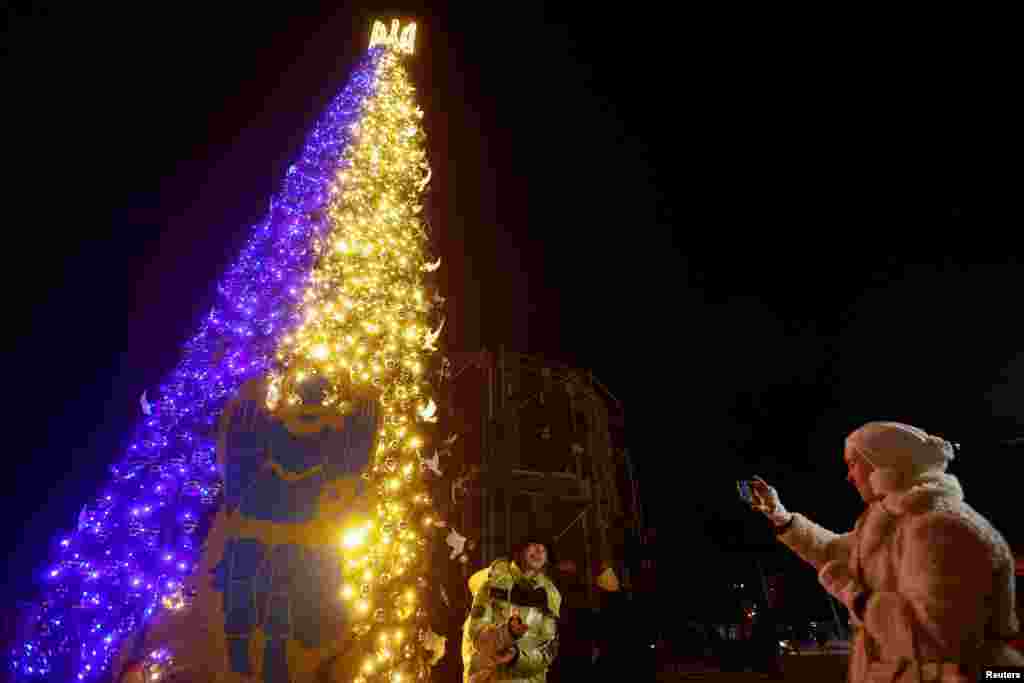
(657, 202)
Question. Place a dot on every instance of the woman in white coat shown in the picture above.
(928, 581)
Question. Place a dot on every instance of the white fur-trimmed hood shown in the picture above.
(929, 491)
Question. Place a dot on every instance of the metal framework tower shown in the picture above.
(541, 446)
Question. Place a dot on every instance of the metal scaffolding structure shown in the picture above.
(542, 445)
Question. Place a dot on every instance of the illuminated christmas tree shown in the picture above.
(330, 292)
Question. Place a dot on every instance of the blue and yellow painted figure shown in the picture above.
(291, 477)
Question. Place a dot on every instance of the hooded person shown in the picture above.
(928, 581)
(511, 633)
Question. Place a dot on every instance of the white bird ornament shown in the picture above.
(431, 338)
(457, 542)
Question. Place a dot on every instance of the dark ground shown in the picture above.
(796, 669)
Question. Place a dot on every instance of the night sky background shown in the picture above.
(665, 201)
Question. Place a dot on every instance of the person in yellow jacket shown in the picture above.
(511, 633)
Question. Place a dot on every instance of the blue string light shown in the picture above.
(140, 537)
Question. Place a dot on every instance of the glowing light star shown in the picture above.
(354, 538)
(146, 407)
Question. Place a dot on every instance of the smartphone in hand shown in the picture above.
(745, 491)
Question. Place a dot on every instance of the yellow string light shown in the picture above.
(367, 324)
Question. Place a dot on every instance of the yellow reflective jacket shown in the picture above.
(497, 592)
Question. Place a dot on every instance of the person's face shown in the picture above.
(535, 556)
(858, 473)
